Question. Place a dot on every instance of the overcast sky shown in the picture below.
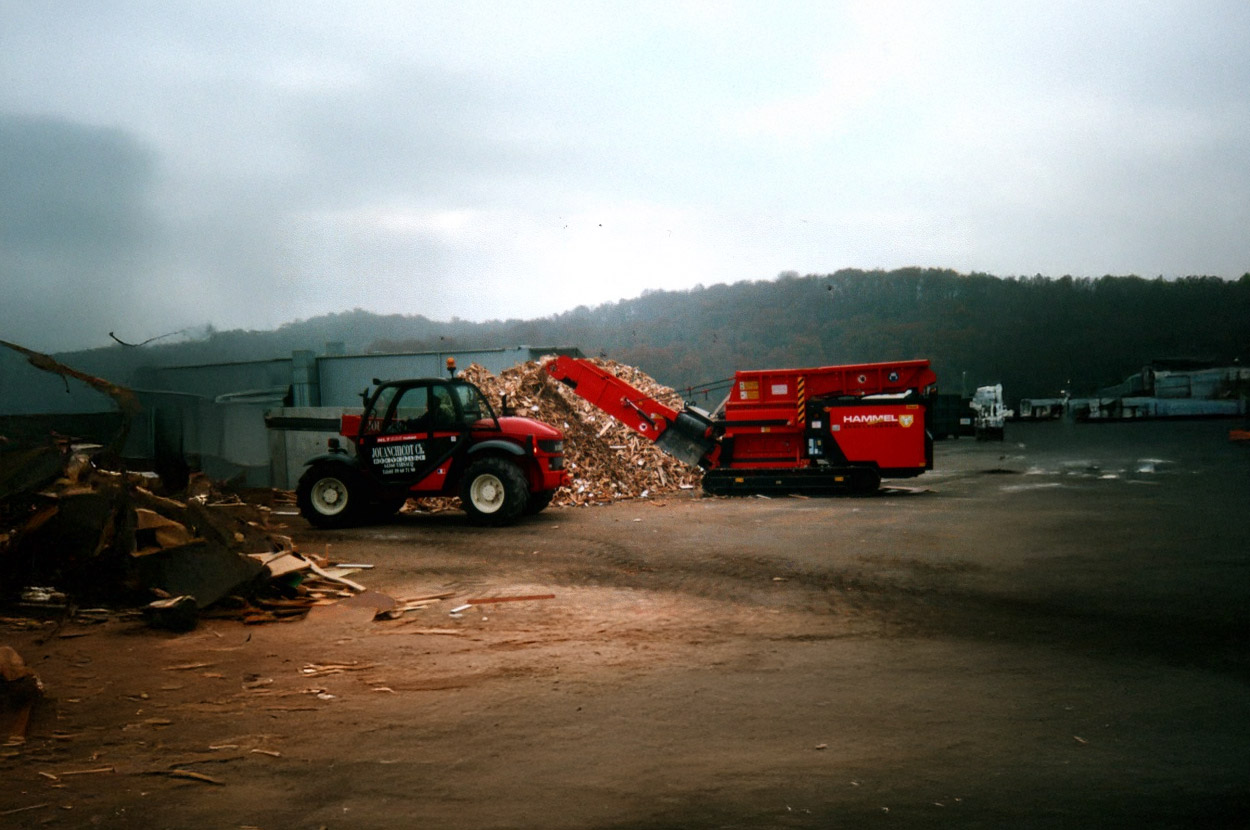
(166, 165)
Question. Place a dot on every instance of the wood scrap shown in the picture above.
(427, 597)
(190, 775)
(341, 580)
(99, 535)
(408, 629)
(607, 460)
(402, 608)
(323, 669)
(282, 562)
(20, 689)
(490, 600)
(154, 532)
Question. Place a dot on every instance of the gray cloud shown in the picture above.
(71, 191)
(247, 164)
(76, 228)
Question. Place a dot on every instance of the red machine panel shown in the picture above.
(892, 436)
(772, 393)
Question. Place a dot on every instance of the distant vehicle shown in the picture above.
(1041, 409)
(432, 437)
(991, 414)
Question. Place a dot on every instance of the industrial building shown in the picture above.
(254, 422)
(1164, 389)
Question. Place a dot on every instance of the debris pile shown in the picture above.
(102, 536)
(607, 460)
(20, 689)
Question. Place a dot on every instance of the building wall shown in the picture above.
(343, 377)
(209, 381)
(229, 419)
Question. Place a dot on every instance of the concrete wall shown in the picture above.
(296, 434)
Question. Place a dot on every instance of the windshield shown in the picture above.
(381, 404)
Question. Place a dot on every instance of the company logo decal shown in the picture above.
(870, 419)
(884, 419)
(398, 458)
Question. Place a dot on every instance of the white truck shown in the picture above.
(991, 414)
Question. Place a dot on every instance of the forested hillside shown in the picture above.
(1034, 335)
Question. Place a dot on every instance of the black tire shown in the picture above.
(494, 492)
(865, 480)
(537, 502)
(386, 506)
(332, 495)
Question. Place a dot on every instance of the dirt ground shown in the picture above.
(1047, 632)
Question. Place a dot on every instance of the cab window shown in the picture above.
(442, 409)
(409, 412)
(377, 413)
(472, 407)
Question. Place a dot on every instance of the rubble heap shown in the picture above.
(607, 460)
(94, 535)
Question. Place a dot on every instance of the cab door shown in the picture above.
(416, 435)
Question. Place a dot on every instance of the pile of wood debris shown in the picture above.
(97, 536)
(607, 460)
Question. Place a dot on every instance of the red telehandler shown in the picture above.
(432, 437)
(820, 430)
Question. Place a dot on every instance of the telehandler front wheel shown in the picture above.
(494, 492)
(537, 502)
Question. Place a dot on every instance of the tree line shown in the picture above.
(1035, 335)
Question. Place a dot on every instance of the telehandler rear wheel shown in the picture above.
(331, 495)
